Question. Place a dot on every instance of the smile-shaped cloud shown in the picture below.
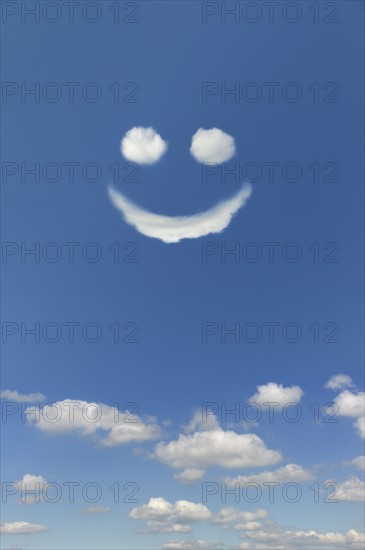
(172, 229)
(146, 146)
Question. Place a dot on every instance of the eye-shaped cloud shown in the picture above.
(143, 145)
(212, 146)
(171, 229)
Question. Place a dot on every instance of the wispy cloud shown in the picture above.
(172, 229)
(14, 395)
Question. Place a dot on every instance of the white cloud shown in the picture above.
(351, 490)
(352, 404)
(190, 475)
(172, 229)
(358, 461)
(192, 545)
(243, 520)
(96, 510)
(166, 517)
(277, 393)
(286, 474)
(92, 419)
(143, 145)
(339, 382)
(218, 447)
(21, 528)
(30, 488)
(14, 395)
(212, 146)
(287, 539)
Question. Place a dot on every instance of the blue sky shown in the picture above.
(166, 296)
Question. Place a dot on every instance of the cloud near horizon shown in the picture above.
(172, 229)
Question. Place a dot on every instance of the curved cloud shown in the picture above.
(172, 229)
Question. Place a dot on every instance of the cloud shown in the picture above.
(339, 382)
(351, 490)
(212, 146)
(14, 395)
(216, 447)
(192, 545)
(172, 229)
(277, 393)
(92, 419)
(358, 461)
(143, 145)
(96, 510)
(190, 475)
(286, 474)
(166, 517)
(352, 404)
(30, 488)
(243, 520)
(21, 528)
(287, 539)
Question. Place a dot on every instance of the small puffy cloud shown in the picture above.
(92, 420)
(166, 517)
(286, 539)
(339, 382)
(358, 461)
(96, 510)
(192, 545)
(243, 520)
(21, 528)
(212, 146)
(190, 475)
(216, 447)
(351, 490)
(14, 395)
(277, 393)
(30, 488)
(172, 229)
(286, 474)
(352, 404)
(143, 145)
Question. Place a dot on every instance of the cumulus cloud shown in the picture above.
(212, 146)
(96, 510)
(216, 447)
(287, 539)
(352, 404)
(243, 520)
(192, 545)
(351, 490)
(339, 382)
(93, 419)
(21, 528)
(30, 488)
(14, 395)
(190, 475)
(277, 393)
(143, 145)
(286, 474)
(172, 229)
(166, 517)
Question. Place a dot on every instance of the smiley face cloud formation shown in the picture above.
(146, 146)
